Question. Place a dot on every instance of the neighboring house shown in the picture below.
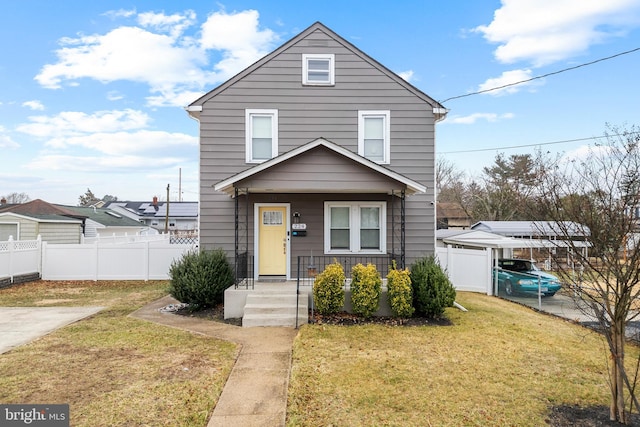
(451, 215)
(316, 149)
(105, 222)
(54, 224)
(183, 216)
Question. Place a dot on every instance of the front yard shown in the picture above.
(114, 370)
(500, 364)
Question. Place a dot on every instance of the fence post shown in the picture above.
(39, 250)
(11, 248)
(147, 262)
(96, 258)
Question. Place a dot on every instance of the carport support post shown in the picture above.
(495, 269)
(539, 295)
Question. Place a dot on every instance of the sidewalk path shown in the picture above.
(255, 393)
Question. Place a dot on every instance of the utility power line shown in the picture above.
(539, 144)
(542, 76)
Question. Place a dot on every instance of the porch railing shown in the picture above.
(244, 271)
(310, 266)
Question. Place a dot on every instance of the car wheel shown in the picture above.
(508, 287)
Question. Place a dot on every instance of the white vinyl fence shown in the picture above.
(468, 269)
(140, 260)
(19, 258)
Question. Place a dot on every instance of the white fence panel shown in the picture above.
(161, 257)
(468, 269)
(69, 261)
(122, 262)
(19, 257)
(133, 261)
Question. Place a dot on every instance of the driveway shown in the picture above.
(20, 325)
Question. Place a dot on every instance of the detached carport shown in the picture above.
(469, 256)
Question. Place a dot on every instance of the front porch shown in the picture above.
(275, 303)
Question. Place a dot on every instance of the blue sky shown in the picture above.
(92, 93)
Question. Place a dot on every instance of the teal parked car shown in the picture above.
(522, 276)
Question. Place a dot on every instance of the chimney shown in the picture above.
(3, 201)
(155, 201)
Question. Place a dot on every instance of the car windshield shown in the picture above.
(519, 265)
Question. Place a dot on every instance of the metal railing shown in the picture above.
(244, 271)
(310, 266)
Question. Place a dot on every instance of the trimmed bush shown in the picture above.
(328, 291)
(399, 292)
(200, 278)
(432, 289)
(365, 289)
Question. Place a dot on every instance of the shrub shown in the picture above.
(399, 292)
(200, 278)
(365, 289)
(432, 289)
(328, 291)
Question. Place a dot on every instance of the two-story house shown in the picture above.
(316, 149)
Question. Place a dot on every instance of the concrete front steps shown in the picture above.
(273, 308)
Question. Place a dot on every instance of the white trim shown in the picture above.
(17, 224)
(305, 69)
(256, 238)
(31, 218)
(386, 115)
(249, 113)
(412, 186)
(354, 227)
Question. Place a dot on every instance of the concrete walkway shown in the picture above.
(20, 325)
(255, 393)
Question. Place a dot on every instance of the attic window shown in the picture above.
(318, 69)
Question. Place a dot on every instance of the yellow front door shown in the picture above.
(272, 244)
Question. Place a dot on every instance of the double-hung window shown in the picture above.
(374, 135)
(355, 227)
(261, 135)
(318, 69)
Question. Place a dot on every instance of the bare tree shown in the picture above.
(16, 198)
(596, 196)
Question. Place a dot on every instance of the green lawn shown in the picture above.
(499, 364)
(114, 370)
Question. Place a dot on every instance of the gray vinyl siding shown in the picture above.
(306, 113)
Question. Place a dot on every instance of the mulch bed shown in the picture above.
(590, 416)
(347, 319)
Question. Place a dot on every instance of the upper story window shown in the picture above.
(261, 135)
(318, 69)
(374, 135)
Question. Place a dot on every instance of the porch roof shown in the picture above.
(305, 178)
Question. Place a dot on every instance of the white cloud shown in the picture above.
(5, 140)
(34, 105)
(239, 38)
(475, 117)
(161, 54)
(173, 24)
(70, 123)
(101, 164)
(120, 13)
(119, 143)
(507, 78)
(109, 132)
(545, 31)
(407, 75)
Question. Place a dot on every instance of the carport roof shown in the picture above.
(482, 239)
